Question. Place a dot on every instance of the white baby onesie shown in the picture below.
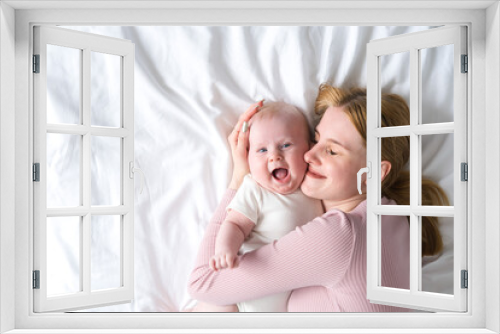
(274, 216)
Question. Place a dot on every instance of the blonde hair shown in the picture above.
(396, 150)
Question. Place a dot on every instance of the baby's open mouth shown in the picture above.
(280, 173)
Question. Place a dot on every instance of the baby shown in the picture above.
(269, 203)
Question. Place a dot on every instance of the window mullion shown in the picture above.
(82, 211)
(420, 129)
(405, 210)
(73, 129)
(414, 171)
(85, 254)
(86, 177)
(373, 187)
(127, 98)
(434, 128)
(86, 154)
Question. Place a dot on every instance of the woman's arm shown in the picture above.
(317, 253)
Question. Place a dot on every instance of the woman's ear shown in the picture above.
(385, 168)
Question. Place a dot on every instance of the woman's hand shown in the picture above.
(238, 140)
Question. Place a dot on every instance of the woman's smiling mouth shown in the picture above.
(314, 174)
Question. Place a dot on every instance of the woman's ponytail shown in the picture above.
(400, 189)
(432, 194)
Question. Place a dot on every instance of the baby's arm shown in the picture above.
(233, 231)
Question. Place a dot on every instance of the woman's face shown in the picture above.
(334, 160)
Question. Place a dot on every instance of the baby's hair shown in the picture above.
(272, 109)
(396, 150)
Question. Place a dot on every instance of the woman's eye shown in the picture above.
(331, 152)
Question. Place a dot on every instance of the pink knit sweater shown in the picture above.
(323, 262)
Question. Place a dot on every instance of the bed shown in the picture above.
(192, 83)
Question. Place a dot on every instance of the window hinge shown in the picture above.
(36, 172)
(465, 64)
(36, 279)
(36, 63)
(465, 279)
(464, 171)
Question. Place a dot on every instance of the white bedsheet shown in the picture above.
(191, 84)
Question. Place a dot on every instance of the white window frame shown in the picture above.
(86, 43)
(413, 43)
(484, 104)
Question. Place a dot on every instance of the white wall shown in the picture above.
(492, 163)
(7, 160)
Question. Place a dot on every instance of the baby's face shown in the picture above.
(276, 152)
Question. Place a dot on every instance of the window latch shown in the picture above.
(368, 171)
(133, 170)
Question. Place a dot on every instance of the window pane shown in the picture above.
(395, 78)
(437, 84)
(63, 170)
(105, 252)
(437, 165)
(63, 255)
(437, 270)
(63, 84)
(395, 252)
(106, 170)
(105, 89)
(396, 149)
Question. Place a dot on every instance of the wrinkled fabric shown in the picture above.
(191, 84)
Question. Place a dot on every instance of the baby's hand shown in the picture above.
(224, 260)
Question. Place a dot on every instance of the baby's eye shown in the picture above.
(286, 145)
(262, 150)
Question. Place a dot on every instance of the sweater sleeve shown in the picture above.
(317, 253)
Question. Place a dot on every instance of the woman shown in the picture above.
(324, 261)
